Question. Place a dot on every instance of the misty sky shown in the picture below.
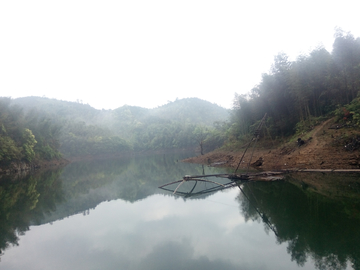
(146, 53)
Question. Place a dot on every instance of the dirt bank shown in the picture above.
(323, 149)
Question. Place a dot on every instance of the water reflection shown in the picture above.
(26, 201)
(324, 228)
(87, 184)
(47, 196)
(126, 222)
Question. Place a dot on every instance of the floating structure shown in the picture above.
(217, 182)
(234, 178)
(201, 185)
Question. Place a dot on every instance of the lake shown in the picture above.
(110, 214)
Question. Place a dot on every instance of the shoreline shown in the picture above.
(323, 150)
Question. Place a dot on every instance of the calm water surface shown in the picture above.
(112, 215)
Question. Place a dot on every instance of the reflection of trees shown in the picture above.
(52, 195)
(146, 174)
(25, 201)
(325, 229)
(86, 184)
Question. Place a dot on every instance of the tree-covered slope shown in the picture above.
(24, 138)
(60, 109)
(187, 110)
(174, 125)
(293, 93)
(79, 130)
(192, 110)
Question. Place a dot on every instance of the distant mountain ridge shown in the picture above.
(187, 110)
(195, 110)
(75, 129)
(191, 110)
(59, 108)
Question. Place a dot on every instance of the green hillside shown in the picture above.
(73, 129)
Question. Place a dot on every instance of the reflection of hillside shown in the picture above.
(25, 201)
(87, 184)
(315, 226)
(333, 185)
(84, 184)
(52, 195)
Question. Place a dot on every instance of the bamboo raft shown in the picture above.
(233, 181)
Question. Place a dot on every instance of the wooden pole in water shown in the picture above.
(257, 134)
(256, 137)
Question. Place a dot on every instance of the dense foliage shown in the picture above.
(25, 138)
(297, 91)
(35, 128)
(79, 139)
(174, 125)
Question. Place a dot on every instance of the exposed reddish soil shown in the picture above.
(323, 149)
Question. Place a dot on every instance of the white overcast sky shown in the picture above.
(148, 52)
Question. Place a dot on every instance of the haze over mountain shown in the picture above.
(295, 95)
(81, 130)
(192, 110)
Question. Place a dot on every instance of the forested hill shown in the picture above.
(298, 94)
(184, 123)
(191, 110)
(61, 109)
(35, 128)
